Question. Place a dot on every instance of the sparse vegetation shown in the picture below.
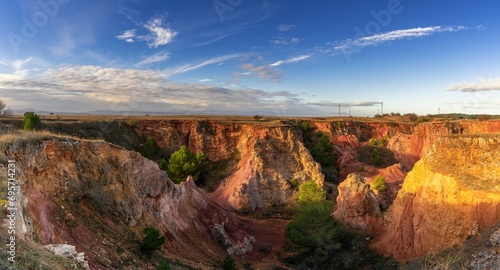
(377, 160)
(163, 164)
(360, 168)
(379, 183)
(184, 163)
(31, 121)
(152, 241)
(164, 265)
(376, 156)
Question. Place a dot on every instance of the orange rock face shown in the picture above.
(454, 188)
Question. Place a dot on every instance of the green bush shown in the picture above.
(377, 160)
(379, 183)
(31, 121)
(309, 192)
(152, 241)
(183, 163)
(360, 168)
(229, 263)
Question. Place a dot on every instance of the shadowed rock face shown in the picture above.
(454, 188)
(92, 193)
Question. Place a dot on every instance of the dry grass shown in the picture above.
(452, 259)
(33, 136)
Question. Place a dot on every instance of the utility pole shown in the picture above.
(382, 108)
(339, 110)
(439, 110)
(349, 112)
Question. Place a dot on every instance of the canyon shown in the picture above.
(95, 183)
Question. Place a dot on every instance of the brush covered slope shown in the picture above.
(449, 193)
(99, 197)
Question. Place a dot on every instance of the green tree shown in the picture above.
(379, 183)
(309, 192)
(31, 121)
(183, 163)
(314, 228)
(152, 241)
(150, 149)
(377, 160)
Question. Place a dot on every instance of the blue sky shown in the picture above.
(251, 57)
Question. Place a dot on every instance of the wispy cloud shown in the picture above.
(286, 27)
(159, 33)
(3, 63)
(263, 72)
(212, 61)
(285, 41)
(155, 58)
(206, 80)
(492, 84)
(291, 60)
(378, 39)
(128, 35)
(345, 104)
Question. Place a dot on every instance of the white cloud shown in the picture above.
(155, 58)
(264, 72)
(206, 80)
(291, 60)
(492, 84)
(128, 35)
(285, 41)
(286, 27)
(382, 38)
(3, 63)
(191, 67)
(159, 34)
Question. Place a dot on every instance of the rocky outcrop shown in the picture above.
(95, 195)
(357, 205)
(488, 259)
(69, 251)
(268, 156)
(454, 188)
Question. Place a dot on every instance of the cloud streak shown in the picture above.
(155, 58)
(212, 61)
(492, 84)
(291, 60)
(263, 72)
(378, 39)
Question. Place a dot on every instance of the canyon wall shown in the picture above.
(98, 197)
(454, 189)
(268, 156)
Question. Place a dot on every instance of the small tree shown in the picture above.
(183, 163)
(379, 183)
(152, 241)
(31, 121)
(4, 111)
(163, 164)
(309, 192)
(258, 117)
(150, 149)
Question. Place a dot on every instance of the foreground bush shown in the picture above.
(152, 241)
